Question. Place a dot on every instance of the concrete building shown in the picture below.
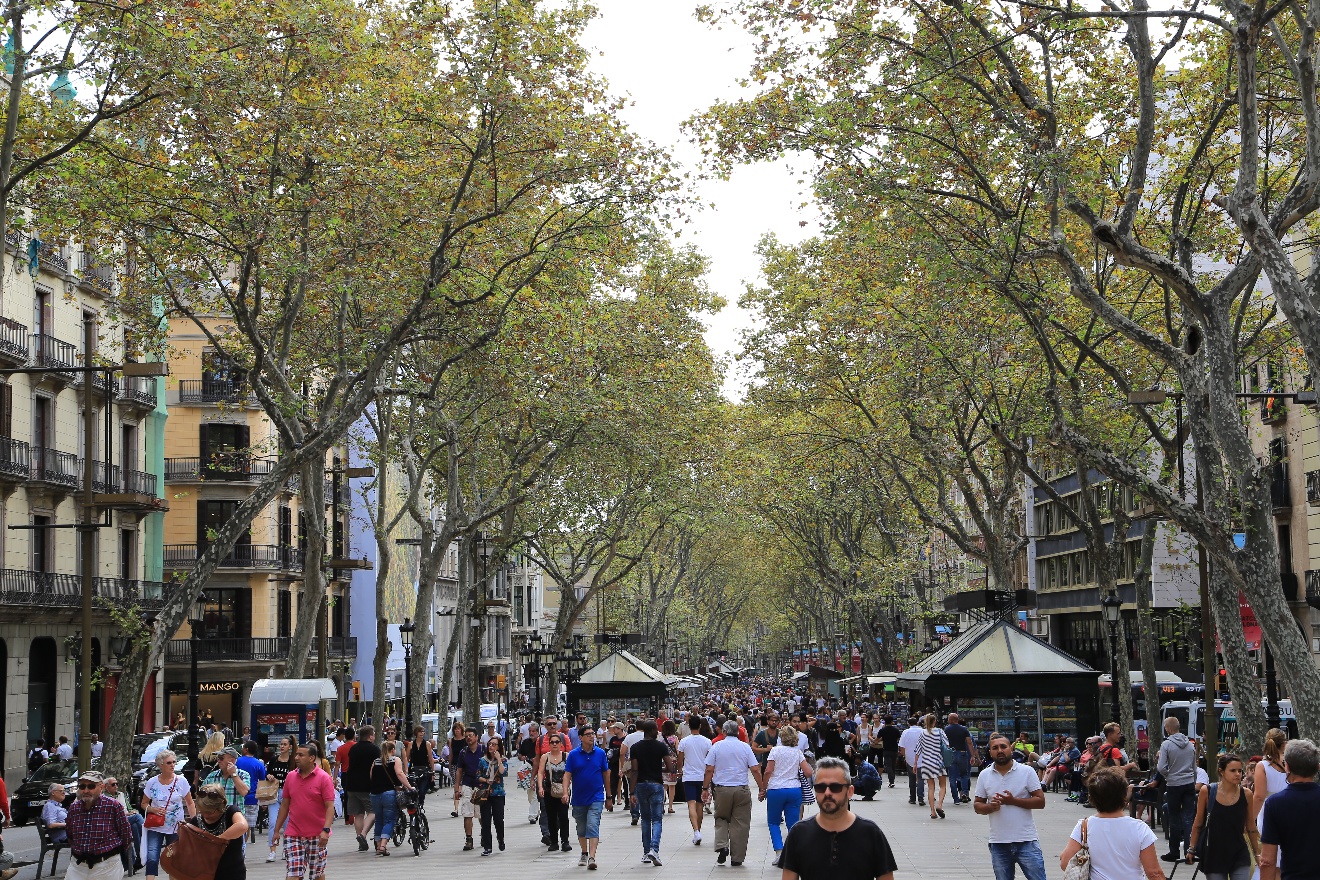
(219, 445)
(49, 291)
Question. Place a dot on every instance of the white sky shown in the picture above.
(673, 66)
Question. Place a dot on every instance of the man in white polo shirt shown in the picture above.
(727, 764)
(908, 743)
(1007, 792)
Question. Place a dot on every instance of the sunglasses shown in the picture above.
(556, 740)
(86, 785)
(831, 787)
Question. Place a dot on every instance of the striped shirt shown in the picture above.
(929, 754)
(99, 829)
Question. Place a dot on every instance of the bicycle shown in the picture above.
(416, 829)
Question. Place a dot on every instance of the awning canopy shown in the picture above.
(303, 691)
(996, 647)
(624, 667)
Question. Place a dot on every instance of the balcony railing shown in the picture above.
(45, 590)
(15, 459)
(212, 391)
(263, 650)
(345, 492)
(1313, 487)
(105, 478)
(14, 342)
(1313, 588)
(261, 556)
(52, 258)
(54, 353)
(140, 483)
(292, 558)
(231, 468)
(139, 391)
(55, 467)
(99, 277)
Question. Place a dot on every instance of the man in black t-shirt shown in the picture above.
(836, 843)
(357, 783)
(889, 735)
(649, 759)
(960, 740)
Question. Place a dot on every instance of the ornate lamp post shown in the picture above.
(195, 624)
(1111, 607)
(406, 630)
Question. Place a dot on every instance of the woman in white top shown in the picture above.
(1122, 848)
(781, 787)
(1270, 779)
(167, 800)
(866, 732)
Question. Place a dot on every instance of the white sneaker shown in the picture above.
(646, 858)
(696, 838)
(270, 856)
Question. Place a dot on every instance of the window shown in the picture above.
(227, 614)
(128, 448)
(283, 614)
(212, 516)
(6, 410)
(219, 372)
(41, 539)
(42, 422)
(127, 554)
(223, 448)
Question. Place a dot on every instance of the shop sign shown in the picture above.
(218, 687)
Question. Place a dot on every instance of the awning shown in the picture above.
(304, 691)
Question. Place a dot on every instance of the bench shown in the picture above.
(48, 846)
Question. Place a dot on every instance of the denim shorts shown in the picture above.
(587, 819)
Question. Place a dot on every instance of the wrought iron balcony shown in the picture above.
(211, 391)
(140, 483)
(54, 468)
(265, 557)
(265, 650)
(14, 342)
(99, 278)
(105, 478)
(1313, 588)
(226, 467)
(137, 391)
(51, 258)
(45, 590)
(52, 353)
(15, 460)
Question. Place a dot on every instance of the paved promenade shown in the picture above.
(953, 848)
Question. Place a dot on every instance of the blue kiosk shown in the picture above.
(288, 707)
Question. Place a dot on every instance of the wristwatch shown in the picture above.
(326, 830)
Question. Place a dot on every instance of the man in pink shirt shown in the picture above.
(306, 812)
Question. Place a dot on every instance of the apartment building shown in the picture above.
(49, 293)
(219, 444)
(1060, 570)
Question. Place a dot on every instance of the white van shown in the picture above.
(1191, 715)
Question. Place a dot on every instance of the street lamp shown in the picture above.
(195, 623)
(1111, 607)
(405, 638)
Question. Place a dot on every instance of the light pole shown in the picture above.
(195, 624)
(405, 637)
(1112, 606)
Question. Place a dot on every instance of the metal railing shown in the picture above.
(225, 467)
(253, 649)
(53, 466)
(51, 257)
(140, 390)
(54, 353)
(105, 478)
(212, 391)
(15, 459)
(99, 277)
(1313, 588)
(140, 483)
(262, 556)
(14, 341)
(44, 589)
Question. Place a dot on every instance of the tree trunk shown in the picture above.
(471, 636)
(314, 583)
(132, 683)
(1146, 639)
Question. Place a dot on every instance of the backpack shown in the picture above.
(35, 760)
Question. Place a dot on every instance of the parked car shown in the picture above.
(27, 799)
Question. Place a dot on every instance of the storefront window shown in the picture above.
(222, 617)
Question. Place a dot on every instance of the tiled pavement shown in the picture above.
(952, 848)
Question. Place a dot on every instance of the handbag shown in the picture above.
(1199, 851)
(808, 788)
(157, 820)
(195, 855)
(268, 792)
(947, 754)
(1079, 866)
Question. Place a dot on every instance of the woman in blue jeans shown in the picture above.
(783, 789)
(167, 800)
(277, 769)
(387, 777)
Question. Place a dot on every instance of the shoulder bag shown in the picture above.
(268, 792)
(157, 820)
(1199, 851)
(195, 855)
(1079, 866)
(808, 787)
(947, 754)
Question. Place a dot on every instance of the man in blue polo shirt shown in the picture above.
(586, 777)
(1288, 818)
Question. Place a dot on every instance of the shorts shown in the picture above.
(303, 853)
(466, 808)
(691, 791)
(587, 819)
(357, 803)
